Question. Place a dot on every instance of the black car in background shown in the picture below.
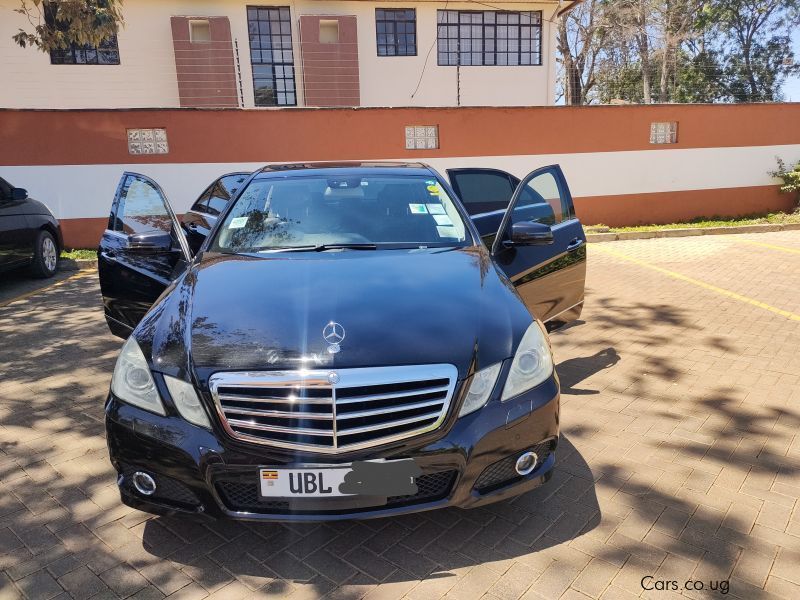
(350, 340)
(30, 235)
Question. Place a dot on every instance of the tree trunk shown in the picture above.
(644, 51)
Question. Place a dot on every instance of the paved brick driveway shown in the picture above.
(679, 460)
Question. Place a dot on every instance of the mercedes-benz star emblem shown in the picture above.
(333, 378)
(333, 333)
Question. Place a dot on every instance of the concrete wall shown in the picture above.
(147, 75)
(72, 160)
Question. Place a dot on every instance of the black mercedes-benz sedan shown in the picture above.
(350, 340)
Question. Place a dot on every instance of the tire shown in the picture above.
(45, 257)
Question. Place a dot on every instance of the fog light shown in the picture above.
(143, 483)
(526, 463)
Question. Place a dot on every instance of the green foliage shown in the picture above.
(790, 176)
(685, 50)
(58, 24)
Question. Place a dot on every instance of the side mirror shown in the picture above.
(19, 194)
(152, 242)
(528, 233)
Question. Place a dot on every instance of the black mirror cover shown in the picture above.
(150, 242)
(19, 194)
(528, 233)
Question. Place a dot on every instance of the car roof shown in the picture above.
(343, 168)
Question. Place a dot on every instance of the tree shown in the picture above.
(58, 24)
(754, 37)
(581, 34)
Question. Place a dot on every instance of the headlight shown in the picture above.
(480, 387)
(532, 364)
(186, 401)
(132, 381)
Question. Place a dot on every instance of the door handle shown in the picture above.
(574, 245)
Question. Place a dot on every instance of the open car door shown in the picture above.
(141, 252)
(533, 233)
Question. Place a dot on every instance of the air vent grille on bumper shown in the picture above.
(333, 410)
(243, 496)
(502, 472)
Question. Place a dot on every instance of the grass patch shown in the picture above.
(79, 254)
(770, 218)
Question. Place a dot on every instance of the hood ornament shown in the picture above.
(333, 333)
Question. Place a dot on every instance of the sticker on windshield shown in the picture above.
(238, 223)
(430, 182)
(442, 220)
(418, 209)
(436, 209)
(447, 232)
(434, 190)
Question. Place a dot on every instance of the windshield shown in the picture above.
(367, 211)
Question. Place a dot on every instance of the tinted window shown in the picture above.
(484, 191)
(468, 37)
(396, 31)
(107, 53)
(404, 211)
(216, 198)
(541, 201)
(141, 209)
(271, 55)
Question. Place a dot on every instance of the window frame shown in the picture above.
(444, 48)
(380, 14)
(57, 56)
(275, 76)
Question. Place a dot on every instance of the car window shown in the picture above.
(231, 183)
(5, 188)
(484, 190)
(218, 195)
(202, 202)
(541, 201)
(141, 209)
(389, 210)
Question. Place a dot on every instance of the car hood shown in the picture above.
(396, 307)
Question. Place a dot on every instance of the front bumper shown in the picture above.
(468, 462)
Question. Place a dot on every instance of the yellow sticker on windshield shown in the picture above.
(433, 189)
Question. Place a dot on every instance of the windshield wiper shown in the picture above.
(323, 248)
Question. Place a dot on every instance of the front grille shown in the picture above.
(244, 496)
(333, 411)
(502, 472)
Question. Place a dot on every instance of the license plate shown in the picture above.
(365, 478)
(302, 483)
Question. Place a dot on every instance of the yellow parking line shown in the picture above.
(722, 291)
(77, 275)
(771, 246)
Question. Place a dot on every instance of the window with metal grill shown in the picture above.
(496, 38)
(106, 53)
(271, 55)
(396, 30)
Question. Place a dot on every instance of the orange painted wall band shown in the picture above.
(282, 135)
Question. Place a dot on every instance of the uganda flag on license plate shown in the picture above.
(269, 474)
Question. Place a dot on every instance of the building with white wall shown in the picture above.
(226, 53)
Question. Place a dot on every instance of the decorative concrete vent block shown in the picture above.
(147, 141)
(422, 137)
(664, 133)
